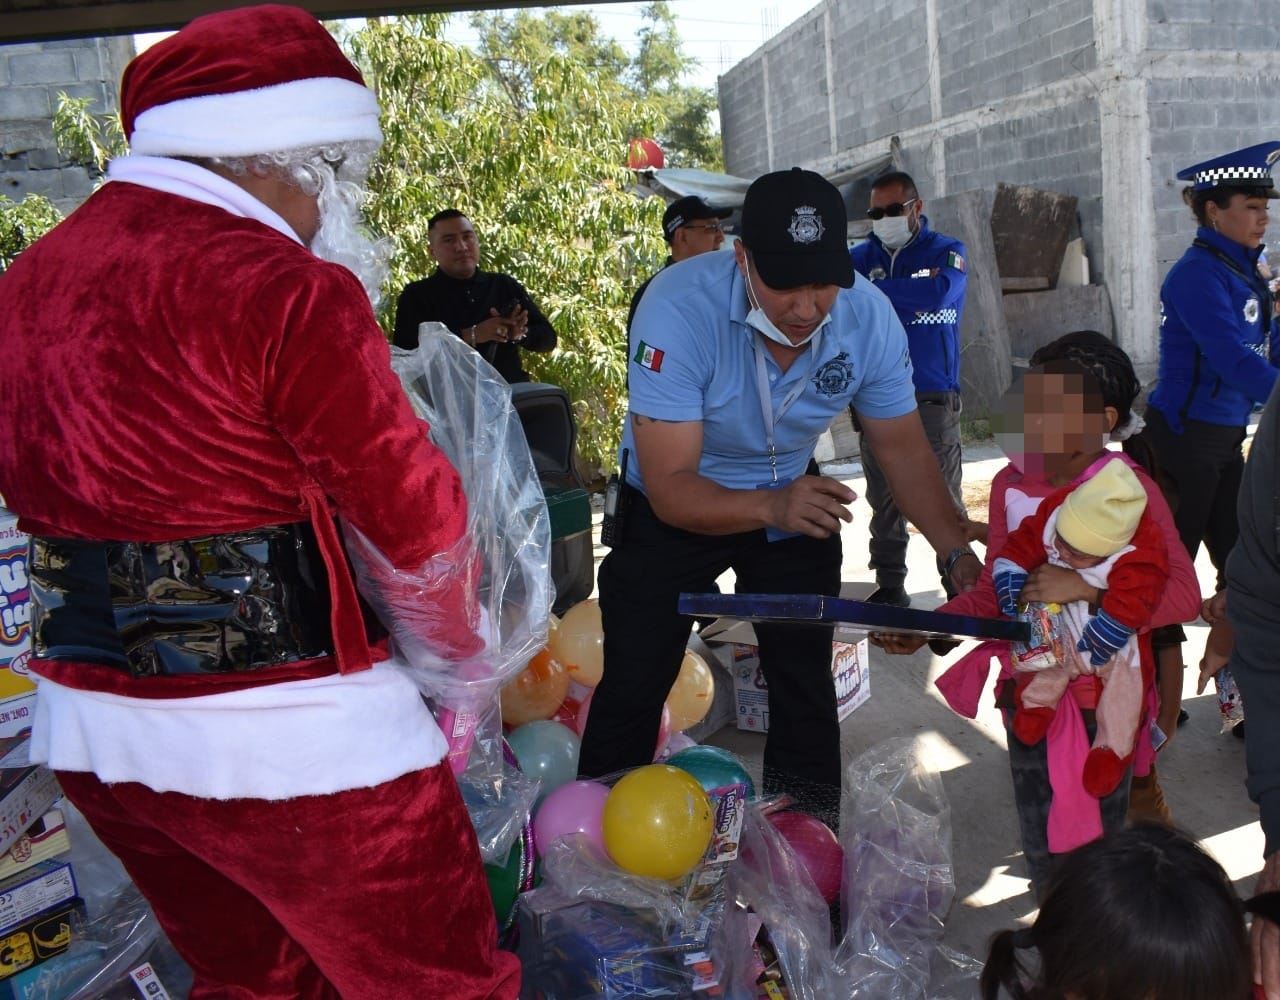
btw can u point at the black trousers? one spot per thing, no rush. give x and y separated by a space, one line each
645 637
1206 463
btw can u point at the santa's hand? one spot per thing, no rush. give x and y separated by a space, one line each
1102 637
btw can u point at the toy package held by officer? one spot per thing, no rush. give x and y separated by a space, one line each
1049 637
469 618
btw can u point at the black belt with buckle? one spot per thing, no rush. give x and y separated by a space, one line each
246 600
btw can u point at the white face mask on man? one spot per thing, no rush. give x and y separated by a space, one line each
760 322
894 232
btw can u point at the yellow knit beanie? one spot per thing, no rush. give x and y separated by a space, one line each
1100 515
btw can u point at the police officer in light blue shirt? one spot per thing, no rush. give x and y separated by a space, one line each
738 363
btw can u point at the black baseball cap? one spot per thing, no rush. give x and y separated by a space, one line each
689 209
794 224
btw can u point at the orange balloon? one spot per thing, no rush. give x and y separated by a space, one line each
579 643
691 695
536 692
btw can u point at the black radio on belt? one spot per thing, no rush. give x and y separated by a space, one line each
616 496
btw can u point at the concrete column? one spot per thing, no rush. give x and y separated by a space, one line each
937 146
1128 197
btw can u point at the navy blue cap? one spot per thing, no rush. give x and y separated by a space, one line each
794 223
1248 168
682 211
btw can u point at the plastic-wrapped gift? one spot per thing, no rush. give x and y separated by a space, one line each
1230 703
1047 645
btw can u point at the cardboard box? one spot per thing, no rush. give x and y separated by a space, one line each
17 690
39 888
26 794
850 666
38 939
47 838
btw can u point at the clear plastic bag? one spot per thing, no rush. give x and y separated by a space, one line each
470 618
898 880
1049 640
497 794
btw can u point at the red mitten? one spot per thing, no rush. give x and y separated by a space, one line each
1103 771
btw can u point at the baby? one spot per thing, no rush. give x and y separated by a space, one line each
1101 529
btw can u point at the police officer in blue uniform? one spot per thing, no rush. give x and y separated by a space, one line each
923 274
739 362
1216 354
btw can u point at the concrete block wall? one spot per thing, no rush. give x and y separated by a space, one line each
881 70
797 93
1101 99
32 75
990 50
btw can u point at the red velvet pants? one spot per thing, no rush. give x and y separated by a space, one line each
370 893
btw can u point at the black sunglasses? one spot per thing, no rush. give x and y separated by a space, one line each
893 211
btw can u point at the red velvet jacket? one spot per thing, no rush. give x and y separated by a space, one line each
170 370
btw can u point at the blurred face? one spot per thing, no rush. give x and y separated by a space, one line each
1244 220
699 236
1072 556
453 245
795 311
1048 426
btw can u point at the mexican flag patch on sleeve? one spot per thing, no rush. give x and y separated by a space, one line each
649 357
956 261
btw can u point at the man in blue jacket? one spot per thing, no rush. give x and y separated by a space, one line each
923 274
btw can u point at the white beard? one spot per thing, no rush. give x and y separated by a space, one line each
343 239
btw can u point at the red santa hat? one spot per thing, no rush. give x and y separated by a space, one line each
243 82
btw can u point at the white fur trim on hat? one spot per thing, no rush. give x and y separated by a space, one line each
294 115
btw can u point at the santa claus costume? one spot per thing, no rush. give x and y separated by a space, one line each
196 402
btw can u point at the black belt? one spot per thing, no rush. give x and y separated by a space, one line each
245 600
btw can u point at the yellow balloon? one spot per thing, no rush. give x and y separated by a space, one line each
690 697
657 822
579 643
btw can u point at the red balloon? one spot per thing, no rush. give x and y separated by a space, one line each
816 847
645 154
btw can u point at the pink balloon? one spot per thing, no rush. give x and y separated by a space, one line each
816 847
573 808
664 732
580 716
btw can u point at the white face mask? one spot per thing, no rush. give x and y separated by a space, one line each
757 320
894 233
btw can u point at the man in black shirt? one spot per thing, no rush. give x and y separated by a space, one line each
490 311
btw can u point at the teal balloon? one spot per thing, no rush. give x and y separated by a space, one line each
714 767
547 751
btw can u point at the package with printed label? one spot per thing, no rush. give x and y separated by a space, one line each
17 690
850 665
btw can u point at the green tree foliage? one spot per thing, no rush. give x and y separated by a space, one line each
528 138
85 139
22 223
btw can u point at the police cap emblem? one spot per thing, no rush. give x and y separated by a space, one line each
806 225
